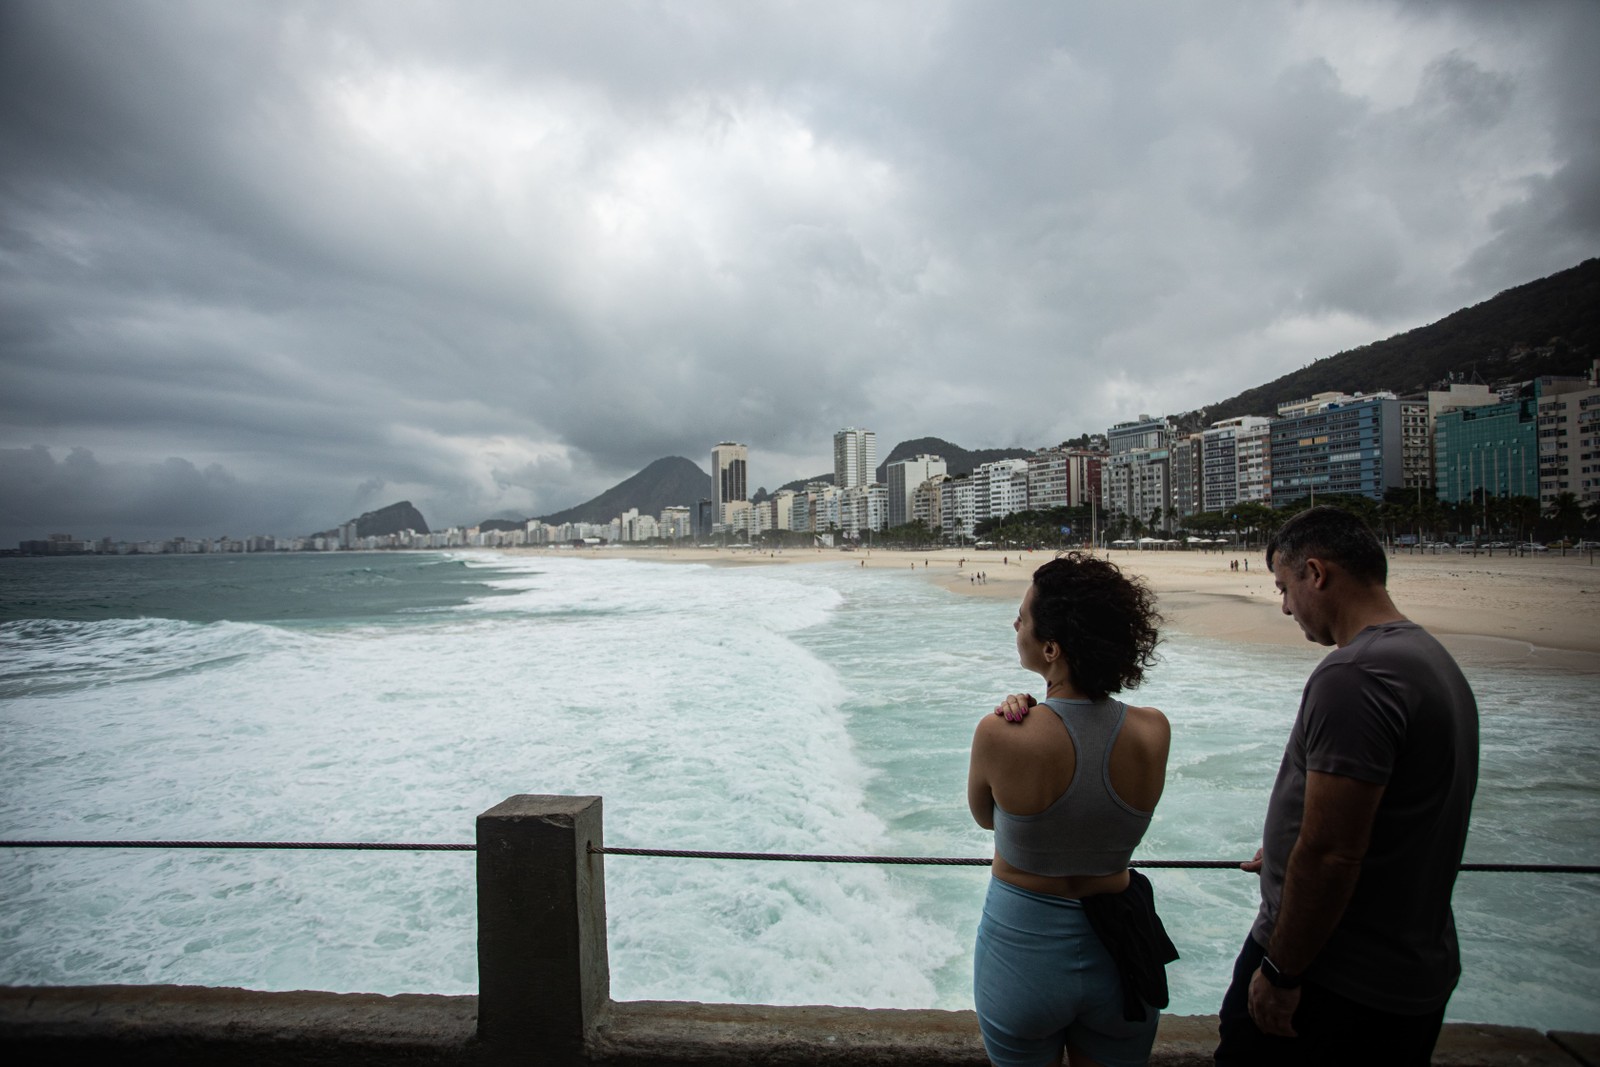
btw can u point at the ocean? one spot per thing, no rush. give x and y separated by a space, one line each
822 709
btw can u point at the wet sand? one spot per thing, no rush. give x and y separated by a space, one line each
1542 609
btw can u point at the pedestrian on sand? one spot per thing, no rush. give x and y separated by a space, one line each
1353 954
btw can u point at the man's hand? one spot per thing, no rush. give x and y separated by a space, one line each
1252 866
1272 1008
1015 707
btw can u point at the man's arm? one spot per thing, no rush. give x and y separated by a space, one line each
1323 868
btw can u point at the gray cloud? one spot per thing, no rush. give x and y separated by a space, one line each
494 257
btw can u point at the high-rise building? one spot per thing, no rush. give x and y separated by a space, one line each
728 477
1568 407
1138 483
1186 456
1143 432
1489 447
903 478
1235 462
1333 443
855 457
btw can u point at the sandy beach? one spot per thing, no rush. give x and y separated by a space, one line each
1542 609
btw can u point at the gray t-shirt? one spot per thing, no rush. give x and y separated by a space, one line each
1391 707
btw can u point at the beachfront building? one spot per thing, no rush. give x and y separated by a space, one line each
1138 483
1336 443
999 488
1187 488
1416 444
1568 407
729 474
857 513
677 522
827 507
1235 462
783 509
1492 448
855 457
927 503
1144 432
1063 478
958 515
904 475
800 512
1047 479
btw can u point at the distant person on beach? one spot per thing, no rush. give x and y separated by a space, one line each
1353 953
1070 955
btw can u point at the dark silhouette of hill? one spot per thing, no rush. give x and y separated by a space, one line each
1549 326
391 520
957 460
664 483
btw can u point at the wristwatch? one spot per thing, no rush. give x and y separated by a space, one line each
1277 978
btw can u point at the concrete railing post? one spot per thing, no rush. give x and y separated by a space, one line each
543 979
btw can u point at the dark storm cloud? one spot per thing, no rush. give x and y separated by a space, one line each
494 257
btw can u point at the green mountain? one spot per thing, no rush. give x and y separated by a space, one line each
664 483
391 520
1550 326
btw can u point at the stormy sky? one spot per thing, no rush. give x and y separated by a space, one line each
264 266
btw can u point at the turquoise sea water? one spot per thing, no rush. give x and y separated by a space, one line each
805 709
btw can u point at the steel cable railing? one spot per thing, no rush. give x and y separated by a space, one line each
781 857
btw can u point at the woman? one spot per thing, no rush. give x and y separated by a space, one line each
1043 980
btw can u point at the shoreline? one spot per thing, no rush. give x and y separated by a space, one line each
1534 610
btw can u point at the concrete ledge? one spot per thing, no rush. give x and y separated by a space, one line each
199 1024
188 1024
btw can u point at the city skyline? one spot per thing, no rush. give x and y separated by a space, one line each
264 266
1146 473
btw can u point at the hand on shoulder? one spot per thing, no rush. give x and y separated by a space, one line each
1014 708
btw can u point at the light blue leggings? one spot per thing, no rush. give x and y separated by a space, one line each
1042 980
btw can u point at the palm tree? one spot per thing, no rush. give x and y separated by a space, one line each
1565 511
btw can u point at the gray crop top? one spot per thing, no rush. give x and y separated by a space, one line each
1089 830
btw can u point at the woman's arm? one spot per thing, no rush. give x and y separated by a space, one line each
980 797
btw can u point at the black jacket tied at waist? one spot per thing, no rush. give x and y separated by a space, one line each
1131 931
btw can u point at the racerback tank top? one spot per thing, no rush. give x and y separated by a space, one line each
1088 830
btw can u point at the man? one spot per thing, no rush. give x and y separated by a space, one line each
1353 953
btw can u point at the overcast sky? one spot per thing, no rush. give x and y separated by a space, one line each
264 266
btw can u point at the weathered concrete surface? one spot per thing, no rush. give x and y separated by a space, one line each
1585 1048
193 1025
198 1024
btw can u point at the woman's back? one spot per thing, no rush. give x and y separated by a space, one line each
1032 765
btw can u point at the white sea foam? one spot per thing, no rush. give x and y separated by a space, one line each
808 709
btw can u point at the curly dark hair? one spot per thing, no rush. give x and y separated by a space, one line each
1105 622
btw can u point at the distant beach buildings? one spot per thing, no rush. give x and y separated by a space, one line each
1538 440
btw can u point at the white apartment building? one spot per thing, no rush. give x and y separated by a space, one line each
998 490
1144 432
1235 462
958 515
677 522
863 508
903 478
855 457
